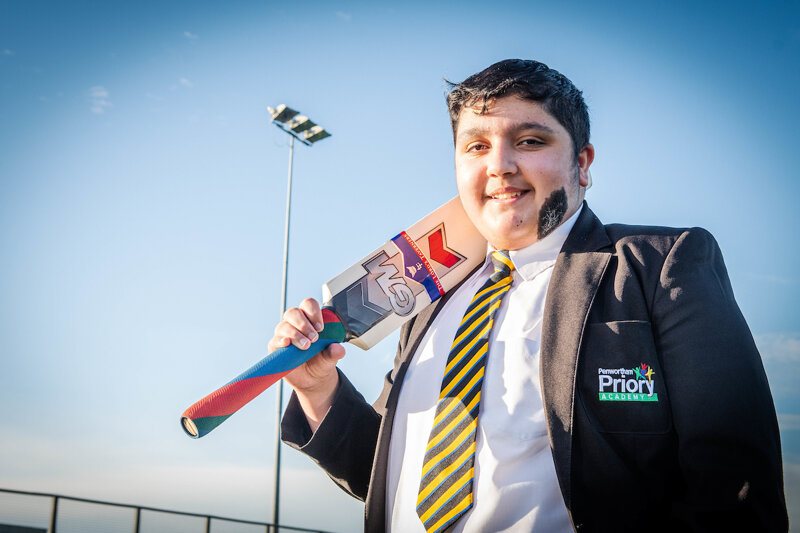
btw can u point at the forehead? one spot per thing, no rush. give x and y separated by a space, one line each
507 113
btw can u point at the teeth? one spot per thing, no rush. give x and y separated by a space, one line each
506 195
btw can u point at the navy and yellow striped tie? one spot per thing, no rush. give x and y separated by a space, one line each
445 490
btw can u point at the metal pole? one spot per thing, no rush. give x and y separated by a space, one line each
279 393
54 515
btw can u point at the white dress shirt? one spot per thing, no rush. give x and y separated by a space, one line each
515 486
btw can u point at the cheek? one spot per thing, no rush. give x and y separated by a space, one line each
470 186
549 169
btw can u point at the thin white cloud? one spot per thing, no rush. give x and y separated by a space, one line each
788 422
347 17
7 52
772 279
186 83
191 36
98 91
779 347
99 99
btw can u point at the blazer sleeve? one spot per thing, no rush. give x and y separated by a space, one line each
723 415
344 443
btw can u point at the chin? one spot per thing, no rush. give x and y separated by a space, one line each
511 240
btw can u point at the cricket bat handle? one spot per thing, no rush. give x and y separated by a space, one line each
208 413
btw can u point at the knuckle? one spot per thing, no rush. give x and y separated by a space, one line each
296 318
294 335
287 331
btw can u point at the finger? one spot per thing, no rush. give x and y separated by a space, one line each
298 319
278 341
312 309
295 336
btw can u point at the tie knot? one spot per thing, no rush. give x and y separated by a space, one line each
502 262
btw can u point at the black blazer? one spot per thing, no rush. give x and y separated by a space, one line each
702 453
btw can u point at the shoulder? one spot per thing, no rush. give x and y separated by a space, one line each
659 240
659 254
590 234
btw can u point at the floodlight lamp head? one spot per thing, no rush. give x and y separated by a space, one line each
282 113
300 124
315 134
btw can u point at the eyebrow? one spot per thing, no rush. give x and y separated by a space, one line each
479 131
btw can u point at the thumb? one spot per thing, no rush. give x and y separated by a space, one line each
334 352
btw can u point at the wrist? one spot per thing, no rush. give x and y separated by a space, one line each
317 400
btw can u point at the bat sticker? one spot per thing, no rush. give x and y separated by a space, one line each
414 261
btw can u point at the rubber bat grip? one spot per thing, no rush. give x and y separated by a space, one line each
208 413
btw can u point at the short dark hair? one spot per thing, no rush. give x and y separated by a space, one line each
530 80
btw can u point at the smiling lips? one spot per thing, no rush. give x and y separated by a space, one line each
506 194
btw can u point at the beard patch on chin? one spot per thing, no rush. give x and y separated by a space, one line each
552 212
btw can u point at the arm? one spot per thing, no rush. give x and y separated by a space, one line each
723 415
344 442
326 419
337 429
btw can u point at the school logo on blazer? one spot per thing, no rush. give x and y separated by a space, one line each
627 384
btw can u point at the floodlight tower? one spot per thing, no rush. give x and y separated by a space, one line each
293 123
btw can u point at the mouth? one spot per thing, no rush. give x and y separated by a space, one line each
506 194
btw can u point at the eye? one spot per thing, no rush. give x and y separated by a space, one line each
531 142
476 147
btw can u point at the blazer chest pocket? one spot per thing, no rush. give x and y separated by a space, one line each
621 383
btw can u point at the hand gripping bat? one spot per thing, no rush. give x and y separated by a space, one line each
363 304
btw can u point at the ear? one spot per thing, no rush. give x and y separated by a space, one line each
585 158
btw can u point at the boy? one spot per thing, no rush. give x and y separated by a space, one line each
586 377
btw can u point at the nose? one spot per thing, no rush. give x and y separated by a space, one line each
501 161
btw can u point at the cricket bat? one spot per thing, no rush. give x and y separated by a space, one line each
363 304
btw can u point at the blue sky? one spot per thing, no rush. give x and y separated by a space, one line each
142 195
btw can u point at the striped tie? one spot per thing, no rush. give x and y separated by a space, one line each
445 491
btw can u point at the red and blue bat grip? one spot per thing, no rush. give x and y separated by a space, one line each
205 415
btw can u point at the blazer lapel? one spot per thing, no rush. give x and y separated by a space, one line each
576 277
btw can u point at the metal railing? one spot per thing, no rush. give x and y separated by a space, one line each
209 519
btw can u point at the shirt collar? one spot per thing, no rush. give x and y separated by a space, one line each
539 256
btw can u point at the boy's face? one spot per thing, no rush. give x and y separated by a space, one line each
516 171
